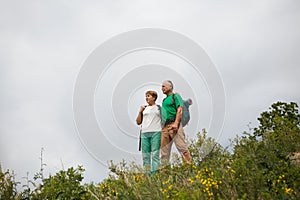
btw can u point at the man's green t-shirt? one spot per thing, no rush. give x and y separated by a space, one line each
169 108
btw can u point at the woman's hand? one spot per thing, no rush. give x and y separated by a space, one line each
142 108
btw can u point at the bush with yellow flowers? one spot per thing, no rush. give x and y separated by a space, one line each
256 165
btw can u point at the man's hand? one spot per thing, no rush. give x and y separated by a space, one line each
175 126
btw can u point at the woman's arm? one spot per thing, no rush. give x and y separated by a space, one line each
139 118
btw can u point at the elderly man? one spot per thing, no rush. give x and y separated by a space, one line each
172 128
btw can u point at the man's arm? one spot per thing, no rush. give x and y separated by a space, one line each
175 125
178 115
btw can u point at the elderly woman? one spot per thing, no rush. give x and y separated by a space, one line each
149 118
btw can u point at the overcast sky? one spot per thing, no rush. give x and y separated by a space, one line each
255 46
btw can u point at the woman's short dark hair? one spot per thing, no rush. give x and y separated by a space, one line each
152 93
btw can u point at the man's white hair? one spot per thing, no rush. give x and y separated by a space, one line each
170 83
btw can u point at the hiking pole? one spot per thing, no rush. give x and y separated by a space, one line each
140 139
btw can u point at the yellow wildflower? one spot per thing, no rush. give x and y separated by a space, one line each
166 182
191 180
288 190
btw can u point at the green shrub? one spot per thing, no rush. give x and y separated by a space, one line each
261 165
8 186
64 185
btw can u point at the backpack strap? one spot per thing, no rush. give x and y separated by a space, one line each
173 98
173 101
159 108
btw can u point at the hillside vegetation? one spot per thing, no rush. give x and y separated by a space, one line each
263 163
